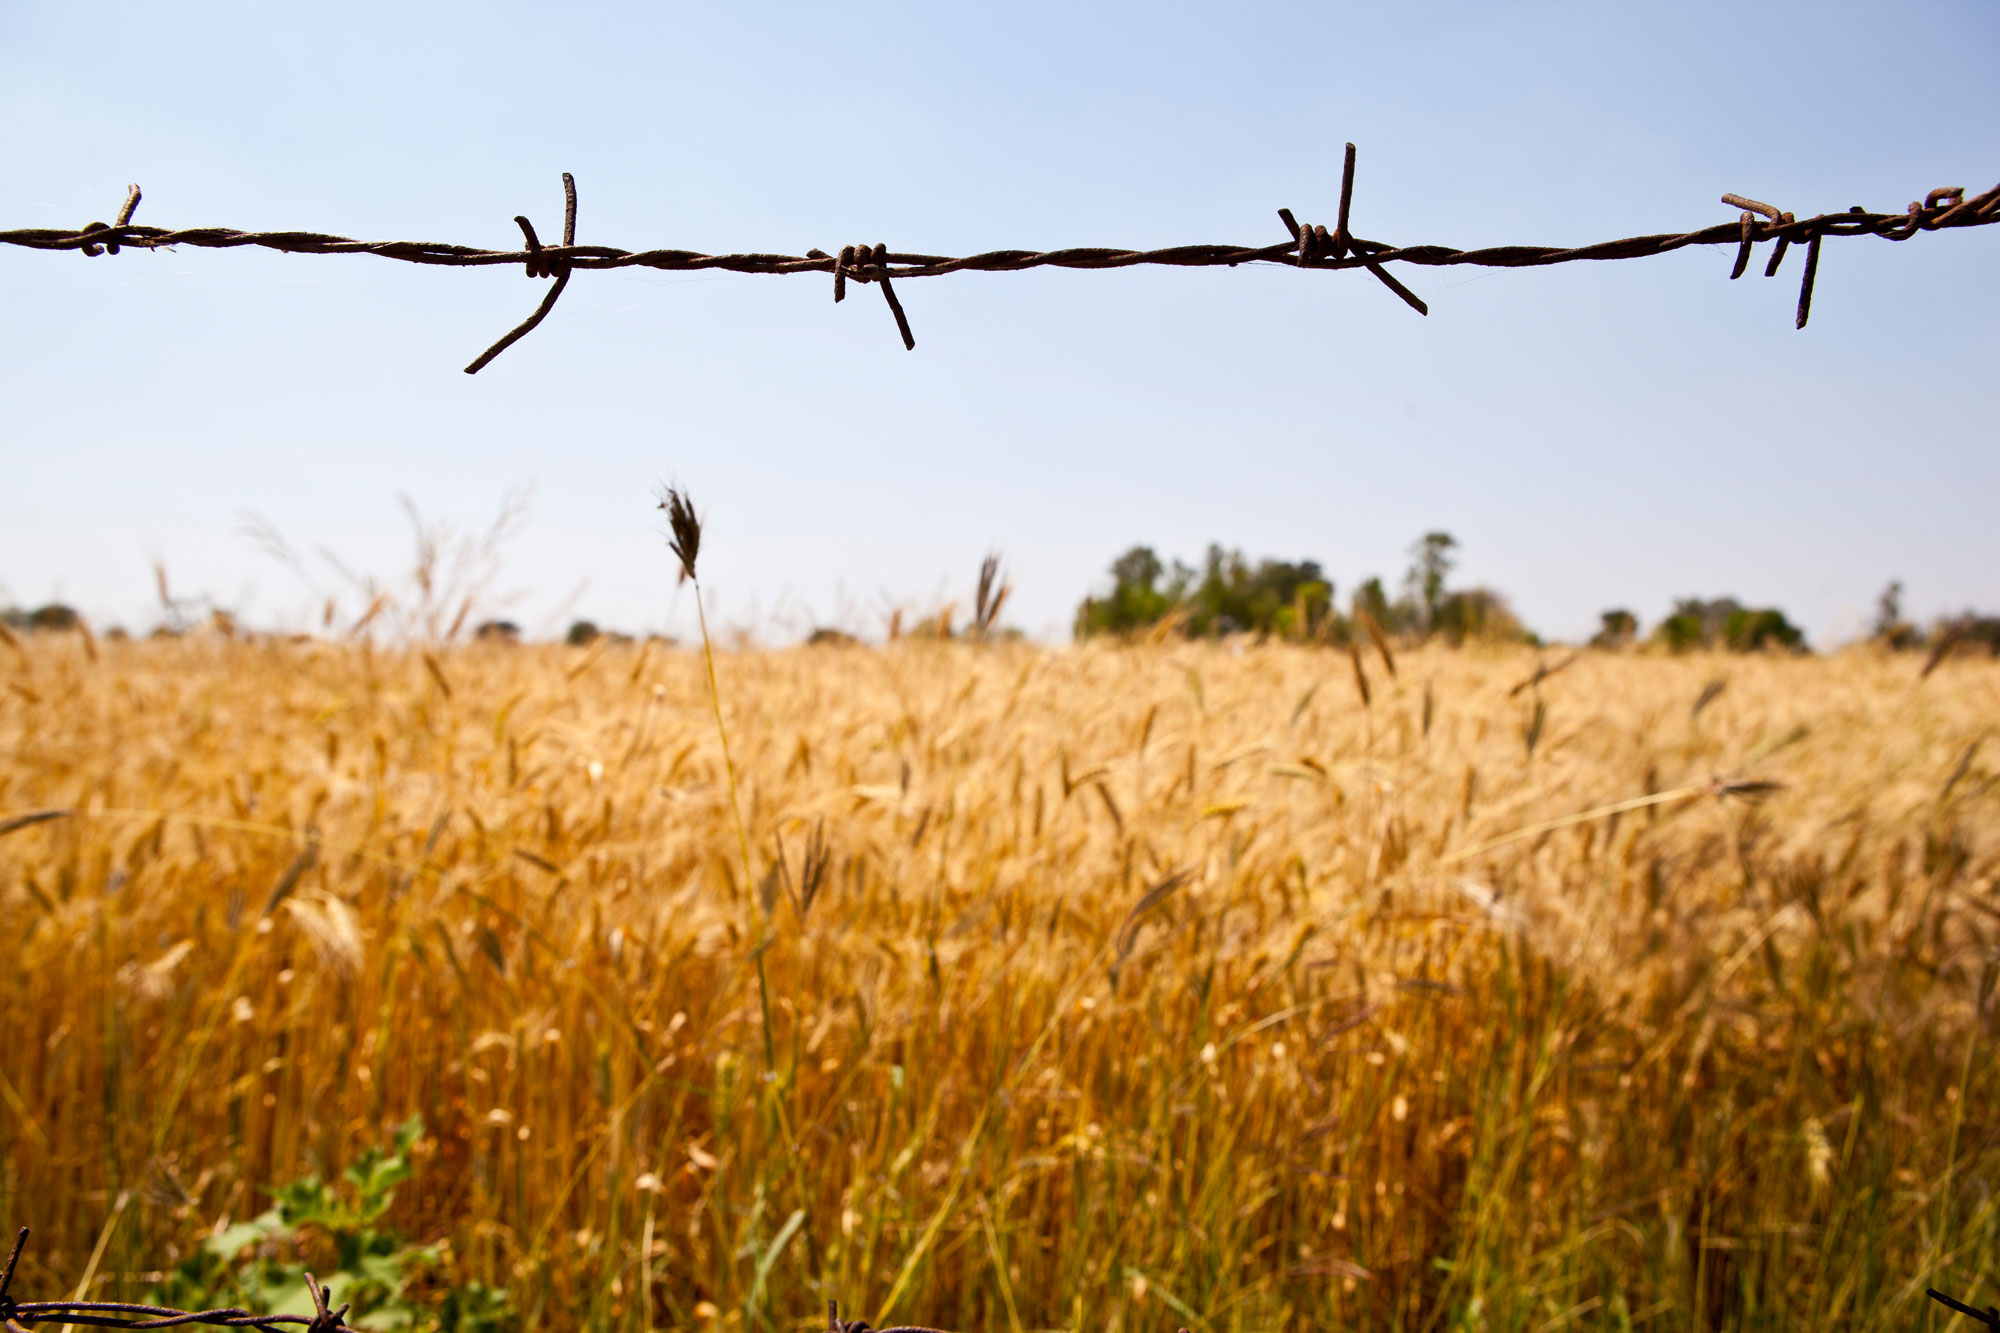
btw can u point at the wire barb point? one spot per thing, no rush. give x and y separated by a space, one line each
7 1277
539 266
870 263
1806 284
1743 249
1990 1316
1341 239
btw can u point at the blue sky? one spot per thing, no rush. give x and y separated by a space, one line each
1595 435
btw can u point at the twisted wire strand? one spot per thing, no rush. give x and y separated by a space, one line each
1982 210
324 1319
1307 247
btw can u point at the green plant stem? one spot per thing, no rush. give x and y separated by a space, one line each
736 809
728 764
1951 1152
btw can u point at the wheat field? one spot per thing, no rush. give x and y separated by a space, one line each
1100 987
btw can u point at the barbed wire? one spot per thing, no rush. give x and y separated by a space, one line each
122 1314
125 1314
1990 1316
1308 247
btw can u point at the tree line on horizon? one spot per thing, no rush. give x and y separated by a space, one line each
1295 601
1292 601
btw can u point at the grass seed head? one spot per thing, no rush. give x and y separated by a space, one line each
686 539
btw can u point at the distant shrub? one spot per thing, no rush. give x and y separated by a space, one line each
1747 631
497 631
1616 629
1968 630
1724 622
1891 630
581 632
1477 614
1680 632
1900 637
54 617
1981 630
1371 601
1137 599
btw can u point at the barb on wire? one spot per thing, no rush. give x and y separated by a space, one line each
539 266
1307 247
835 1324
866 263
124 1314
117 229
1990 1316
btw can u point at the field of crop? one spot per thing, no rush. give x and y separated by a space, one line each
1089 988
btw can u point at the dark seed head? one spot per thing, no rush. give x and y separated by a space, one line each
686 539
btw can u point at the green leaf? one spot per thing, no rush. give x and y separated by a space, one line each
387 1318
408 1133
375 1174
476 1308
307 1200
232 1241
279 1289
384 1270
770 1256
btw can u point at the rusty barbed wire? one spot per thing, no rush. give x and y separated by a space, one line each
1990 1316
324 1319
124 1314
1311 247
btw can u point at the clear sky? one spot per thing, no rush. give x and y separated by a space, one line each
1595 435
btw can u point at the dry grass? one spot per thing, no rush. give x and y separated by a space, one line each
1139 988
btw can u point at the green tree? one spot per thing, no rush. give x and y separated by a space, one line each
1724 622
1137 598
1477 613
1750 629
1272 597
1228 595
1431 562
1616 629
1891 629
1370 599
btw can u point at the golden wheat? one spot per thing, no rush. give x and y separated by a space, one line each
1154 985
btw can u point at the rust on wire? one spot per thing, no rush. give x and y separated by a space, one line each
1305 247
